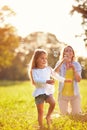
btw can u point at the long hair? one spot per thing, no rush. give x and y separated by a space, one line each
33 62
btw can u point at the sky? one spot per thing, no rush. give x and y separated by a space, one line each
47 16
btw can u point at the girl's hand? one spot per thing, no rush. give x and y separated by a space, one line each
51 81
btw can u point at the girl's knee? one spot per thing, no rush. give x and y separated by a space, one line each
53 104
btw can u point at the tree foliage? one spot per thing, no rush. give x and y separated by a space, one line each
5 12
81 8
9 39
8 42
48 41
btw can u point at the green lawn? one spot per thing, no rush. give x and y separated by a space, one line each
18 110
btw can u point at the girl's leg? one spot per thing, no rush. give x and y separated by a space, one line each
51 102
40 114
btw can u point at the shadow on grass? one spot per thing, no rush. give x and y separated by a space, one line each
80 117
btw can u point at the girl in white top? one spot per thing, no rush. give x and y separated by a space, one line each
40 74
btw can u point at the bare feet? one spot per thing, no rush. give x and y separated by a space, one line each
49 120
40 128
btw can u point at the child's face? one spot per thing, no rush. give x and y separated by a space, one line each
42 61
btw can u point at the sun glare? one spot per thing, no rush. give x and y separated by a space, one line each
47 16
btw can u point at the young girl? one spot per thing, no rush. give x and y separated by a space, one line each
40 74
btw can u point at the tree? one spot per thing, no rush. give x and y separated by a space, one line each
9 39
83 62
48 41
82 9
8 42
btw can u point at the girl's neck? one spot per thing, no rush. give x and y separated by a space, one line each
40 67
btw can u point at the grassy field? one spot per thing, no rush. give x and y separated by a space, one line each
18 110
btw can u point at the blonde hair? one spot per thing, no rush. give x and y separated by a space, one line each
33 61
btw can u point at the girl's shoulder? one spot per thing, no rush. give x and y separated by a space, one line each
43 69
49 69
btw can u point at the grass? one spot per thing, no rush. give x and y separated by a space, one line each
18 110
